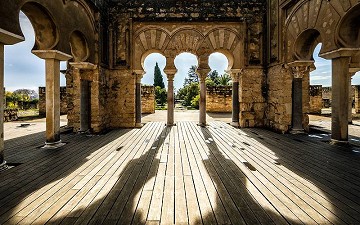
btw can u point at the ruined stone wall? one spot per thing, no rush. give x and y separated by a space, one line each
219 99
357 98
42 101
252 101
147 99
98 115
316 100
279 101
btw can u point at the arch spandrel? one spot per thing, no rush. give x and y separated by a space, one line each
60 19
321 15
173 39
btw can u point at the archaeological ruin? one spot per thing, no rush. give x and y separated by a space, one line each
268 44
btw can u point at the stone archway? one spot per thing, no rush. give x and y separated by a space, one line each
171 39
334 22
58 25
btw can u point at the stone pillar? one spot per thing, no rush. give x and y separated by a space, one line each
83 92
340 93
340 99
235 76
170 74
2 161
139 75
298 69
202 73
6 38
52 68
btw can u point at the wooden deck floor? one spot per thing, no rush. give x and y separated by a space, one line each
181 175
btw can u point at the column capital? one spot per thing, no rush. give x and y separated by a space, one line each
170 74
339 53
8 38
235 74
300 68
52 54
203 73
139 75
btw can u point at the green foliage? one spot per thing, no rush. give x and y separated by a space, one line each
158 78
225 79
160 95
195 101
188 93
209 82
192 76
214 77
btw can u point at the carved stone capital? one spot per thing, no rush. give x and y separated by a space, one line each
203 73
235 74
300 68
170 74
139 75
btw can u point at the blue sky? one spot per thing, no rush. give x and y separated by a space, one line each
25 70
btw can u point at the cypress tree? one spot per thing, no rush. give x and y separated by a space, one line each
158 78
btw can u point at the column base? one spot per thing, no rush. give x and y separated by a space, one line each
170 124
139 125
202 124
53 145
339 143
235 124
297 131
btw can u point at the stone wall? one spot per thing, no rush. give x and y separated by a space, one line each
316 99
148 99
42 101
279 107
252 101
120 98
219 99
98 115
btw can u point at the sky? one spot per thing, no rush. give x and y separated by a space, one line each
25 70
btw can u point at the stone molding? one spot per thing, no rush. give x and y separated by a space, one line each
235 74
300 68
52 54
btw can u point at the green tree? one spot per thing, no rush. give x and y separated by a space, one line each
158 78
224 79
160 95
192 90
192 76
214 76
195 102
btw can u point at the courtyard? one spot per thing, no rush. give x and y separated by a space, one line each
185 174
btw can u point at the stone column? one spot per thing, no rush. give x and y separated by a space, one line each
340 93
170 74
298 69
2 161
139 75
202 73
235 76
6 38
52 68
85 95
